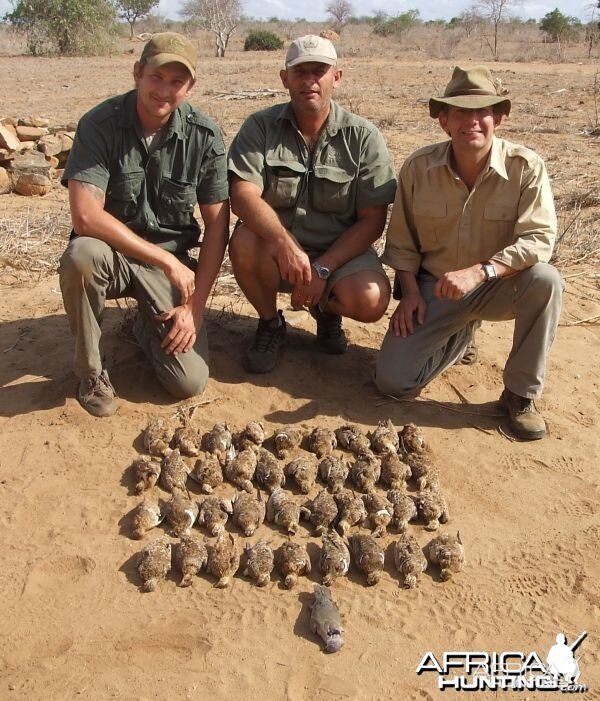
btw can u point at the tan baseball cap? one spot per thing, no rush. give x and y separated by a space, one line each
310 48
470 88
170 47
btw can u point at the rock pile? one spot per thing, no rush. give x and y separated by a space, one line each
32 154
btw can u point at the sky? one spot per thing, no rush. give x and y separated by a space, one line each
441 9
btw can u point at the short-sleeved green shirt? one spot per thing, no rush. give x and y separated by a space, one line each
154 191
316 195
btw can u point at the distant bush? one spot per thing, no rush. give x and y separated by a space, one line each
397 26
262 40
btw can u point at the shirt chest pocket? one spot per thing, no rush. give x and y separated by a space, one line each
430 222
176 202
284 179
498 228
331 189
123 195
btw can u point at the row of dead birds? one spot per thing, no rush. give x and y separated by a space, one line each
384 455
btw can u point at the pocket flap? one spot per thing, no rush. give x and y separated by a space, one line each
499 212
279 166
428 208
125 187
333 173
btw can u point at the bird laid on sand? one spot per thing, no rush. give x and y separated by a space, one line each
394 471
424 472
181 513
248 512
284 511
384 439
368 557
412 439
158 435
292 562
351 510
448 552
432 508
321 442
223 559
335 558
260 562
240 470
144 517
253 434
405 509
146 472
303 470
269 471
334 472
325 619
213 514
189 556
219 442
350 437
323 511
380 511
174 471
187 439
409 559
207 472
365 471
154 562
286 440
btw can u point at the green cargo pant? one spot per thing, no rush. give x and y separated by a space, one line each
90 273
532 297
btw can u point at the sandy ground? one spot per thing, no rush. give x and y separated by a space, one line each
75 623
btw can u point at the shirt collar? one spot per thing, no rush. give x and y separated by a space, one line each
336 120
128 118
495 160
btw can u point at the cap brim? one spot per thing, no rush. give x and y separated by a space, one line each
311 59
162 59
470 102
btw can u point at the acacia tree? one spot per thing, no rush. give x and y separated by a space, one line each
340 12
65 27
468 21
132 10
221 17
495 11
558 26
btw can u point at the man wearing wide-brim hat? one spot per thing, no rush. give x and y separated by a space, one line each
472 230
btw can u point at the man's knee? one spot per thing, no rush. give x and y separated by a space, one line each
243 247
390 379
364 298
82 257
183 384
544 281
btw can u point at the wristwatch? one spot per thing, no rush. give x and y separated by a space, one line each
489 270
321 270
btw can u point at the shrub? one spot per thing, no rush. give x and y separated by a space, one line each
262 40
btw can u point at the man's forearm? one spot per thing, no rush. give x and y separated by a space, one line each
212 251
408 283
258 216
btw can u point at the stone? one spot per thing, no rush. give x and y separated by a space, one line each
53 161
28 145
9 121
6 154
34 121
5 181
51 145
9 138
30 162
30 184
31 133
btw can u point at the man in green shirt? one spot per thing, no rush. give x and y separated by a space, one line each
471 233
139 164
311 184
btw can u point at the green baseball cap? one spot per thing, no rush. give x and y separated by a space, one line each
310 48
470 88
170 47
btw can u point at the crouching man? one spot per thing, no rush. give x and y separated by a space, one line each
471 233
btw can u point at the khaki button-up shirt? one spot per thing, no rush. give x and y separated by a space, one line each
437 224
315 194
154 191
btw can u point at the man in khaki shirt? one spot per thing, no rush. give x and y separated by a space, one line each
471 233
311 184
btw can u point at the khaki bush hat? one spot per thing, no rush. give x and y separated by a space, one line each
470 88
170 47
310 48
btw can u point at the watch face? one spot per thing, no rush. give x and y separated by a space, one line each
321 271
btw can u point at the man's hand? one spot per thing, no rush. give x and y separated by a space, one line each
184 328
308 295
294 264
457 283
181 277
402 321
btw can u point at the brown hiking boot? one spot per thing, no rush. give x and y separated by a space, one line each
330 334
268 345
97 395
524 419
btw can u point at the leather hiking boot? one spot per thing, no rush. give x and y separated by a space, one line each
97 395
268 345
330 334
524 419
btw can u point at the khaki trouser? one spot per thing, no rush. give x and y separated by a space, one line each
90 273
532 297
